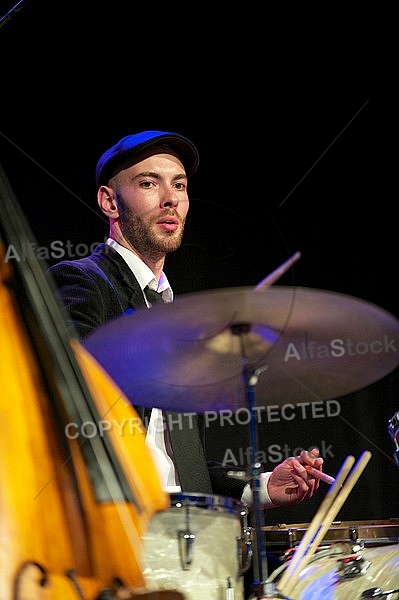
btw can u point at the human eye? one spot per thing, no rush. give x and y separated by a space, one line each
146 183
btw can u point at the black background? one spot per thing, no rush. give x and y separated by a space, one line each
279 172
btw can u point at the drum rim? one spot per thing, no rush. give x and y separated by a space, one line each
394 521
372 532
209 501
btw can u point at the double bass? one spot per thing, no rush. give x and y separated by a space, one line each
78 486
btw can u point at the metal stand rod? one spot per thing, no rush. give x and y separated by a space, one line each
262 589
260 564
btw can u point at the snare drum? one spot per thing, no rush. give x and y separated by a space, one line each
281 538
200 546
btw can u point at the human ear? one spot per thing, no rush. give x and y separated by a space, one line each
107 201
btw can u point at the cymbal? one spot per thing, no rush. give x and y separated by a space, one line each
207 350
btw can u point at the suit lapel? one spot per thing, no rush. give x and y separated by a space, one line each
183 429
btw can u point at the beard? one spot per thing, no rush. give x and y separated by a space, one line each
143 236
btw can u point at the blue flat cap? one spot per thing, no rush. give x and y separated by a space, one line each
132 146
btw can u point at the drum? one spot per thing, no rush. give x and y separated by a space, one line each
280 539
339 573
200 546
354 561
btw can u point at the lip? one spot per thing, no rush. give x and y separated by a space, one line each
168 223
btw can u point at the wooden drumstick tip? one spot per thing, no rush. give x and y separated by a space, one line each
319 474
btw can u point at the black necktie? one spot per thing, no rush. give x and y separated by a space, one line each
188 452
184 437
152 296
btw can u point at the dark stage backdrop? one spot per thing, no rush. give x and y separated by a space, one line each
276 175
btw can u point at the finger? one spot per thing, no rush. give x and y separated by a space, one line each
306 488
309 479
312 458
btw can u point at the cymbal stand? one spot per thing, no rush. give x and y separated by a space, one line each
263 589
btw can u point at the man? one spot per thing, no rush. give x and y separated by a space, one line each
142 189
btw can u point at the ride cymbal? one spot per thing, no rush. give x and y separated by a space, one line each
295 345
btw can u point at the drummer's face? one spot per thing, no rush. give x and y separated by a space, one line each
152 200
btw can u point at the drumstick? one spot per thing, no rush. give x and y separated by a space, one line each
317 520
339 501
270 279
319 474
333 510
331 514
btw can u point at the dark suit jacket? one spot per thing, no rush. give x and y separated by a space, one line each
95 289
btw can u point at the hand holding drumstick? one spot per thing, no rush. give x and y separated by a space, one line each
296 479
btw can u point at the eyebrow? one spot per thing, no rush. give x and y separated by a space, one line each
156 175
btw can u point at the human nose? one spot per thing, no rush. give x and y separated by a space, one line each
170 200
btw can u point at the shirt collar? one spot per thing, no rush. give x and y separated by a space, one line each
143 273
